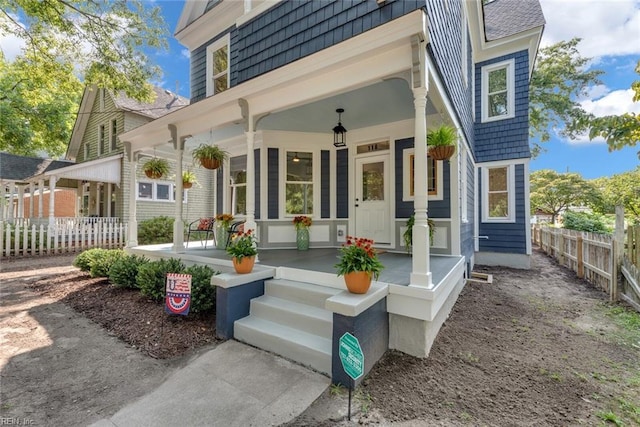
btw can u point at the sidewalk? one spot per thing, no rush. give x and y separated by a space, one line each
230 385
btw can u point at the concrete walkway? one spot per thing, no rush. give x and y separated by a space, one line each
230 385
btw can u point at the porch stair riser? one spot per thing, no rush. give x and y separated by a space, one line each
290 320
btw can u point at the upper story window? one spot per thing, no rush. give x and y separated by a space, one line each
114 134
498 91
101 140
498 194
238 172
299 183
218 66
434 178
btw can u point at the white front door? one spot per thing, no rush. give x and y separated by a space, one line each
372 204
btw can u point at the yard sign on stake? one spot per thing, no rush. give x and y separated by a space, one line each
352 359
178 294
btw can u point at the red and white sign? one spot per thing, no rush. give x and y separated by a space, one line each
178 295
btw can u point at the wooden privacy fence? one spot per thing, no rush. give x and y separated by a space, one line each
590 255
16 240
601 259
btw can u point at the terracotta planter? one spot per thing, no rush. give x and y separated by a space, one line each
358 282
245 265
442 152
153 175
187 185
210 163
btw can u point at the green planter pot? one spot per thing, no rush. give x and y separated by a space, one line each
302 239
221 237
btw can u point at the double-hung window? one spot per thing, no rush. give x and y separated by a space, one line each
498 91
101 140
218 66
238 177
114 134
498 194
434 178
158 191
299 183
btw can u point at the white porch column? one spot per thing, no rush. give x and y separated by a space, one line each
421 272
52 201
40 198
178 223
132 238
251 179
10 214
32 199
20 213
3 208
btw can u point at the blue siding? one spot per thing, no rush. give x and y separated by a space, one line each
467 229
437 208
273 179
509 138
342 183
257 181
219 187
506 237
292 30
445 48
325 187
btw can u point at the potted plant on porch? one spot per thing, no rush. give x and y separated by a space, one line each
442 142
302 224
223 222
359 264
209 156
243 250
156 168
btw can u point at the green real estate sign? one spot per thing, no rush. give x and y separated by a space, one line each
351 356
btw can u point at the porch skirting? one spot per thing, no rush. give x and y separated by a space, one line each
522 261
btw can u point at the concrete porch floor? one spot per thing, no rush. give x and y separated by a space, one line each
397 265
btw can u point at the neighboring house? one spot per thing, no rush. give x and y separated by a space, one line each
267 79
18 187
94 167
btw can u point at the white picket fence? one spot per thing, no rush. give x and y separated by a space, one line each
69 237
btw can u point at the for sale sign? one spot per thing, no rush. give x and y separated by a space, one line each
178 296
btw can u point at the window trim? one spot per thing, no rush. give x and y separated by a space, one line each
113 134
218 44
315 184
511 194
509 65
464 184
102 134
233 187
406 178
154 191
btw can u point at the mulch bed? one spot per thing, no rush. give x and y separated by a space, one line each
130 316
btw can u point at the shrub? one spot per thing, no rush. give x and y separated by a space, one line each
123 272
203 294
155 230
103 260
85 259
152 276
583 221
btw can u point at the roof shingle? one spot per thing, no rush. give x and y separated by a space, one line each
504 18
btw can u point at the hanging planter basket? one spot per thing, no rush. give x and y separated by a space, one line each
187 185
152 174
442 152
210 163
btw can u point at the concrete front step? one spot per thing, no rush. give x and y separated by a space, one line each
304 317
304 293
290 320
305 348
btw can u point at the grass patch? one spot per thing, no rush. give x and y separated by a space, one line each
610 417
628 320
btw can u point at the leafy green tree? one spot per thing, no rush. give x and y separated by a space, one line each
553 192
619 131
67 41
38 104
621 189
559 79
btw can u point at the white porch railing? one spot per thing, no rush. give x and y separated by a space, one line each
66 236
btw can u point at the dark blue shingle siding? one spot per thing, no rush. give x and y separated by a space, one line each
325 184
273 209
342 183
257 181
509 138
505 237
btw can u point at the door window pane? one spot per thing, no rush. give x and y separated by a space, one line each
373 181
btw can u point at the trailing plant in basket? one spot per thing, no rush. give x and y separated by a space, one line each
358 254
243 244
442 136
156 167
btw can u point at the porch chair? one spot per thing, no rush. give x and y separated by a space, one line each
236 227
200 226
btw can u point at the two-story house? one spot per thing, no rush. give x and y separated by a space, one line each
271 81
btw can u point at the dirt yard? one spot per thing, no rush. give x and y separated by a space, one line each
536 347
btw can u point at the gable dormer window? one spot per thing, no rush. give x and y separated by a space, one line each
218 66
498 91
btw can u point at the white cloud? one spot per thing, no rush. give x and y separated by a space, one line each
607 28
613 103
185 53
10 44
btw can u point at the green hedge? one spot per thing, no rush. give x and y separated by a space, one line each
155 230
583 221
124 271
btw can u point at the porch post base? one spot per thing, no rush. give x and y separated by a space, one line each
421 279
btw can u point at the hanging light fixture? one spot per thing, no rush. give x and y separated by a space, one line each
339 132
295 159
